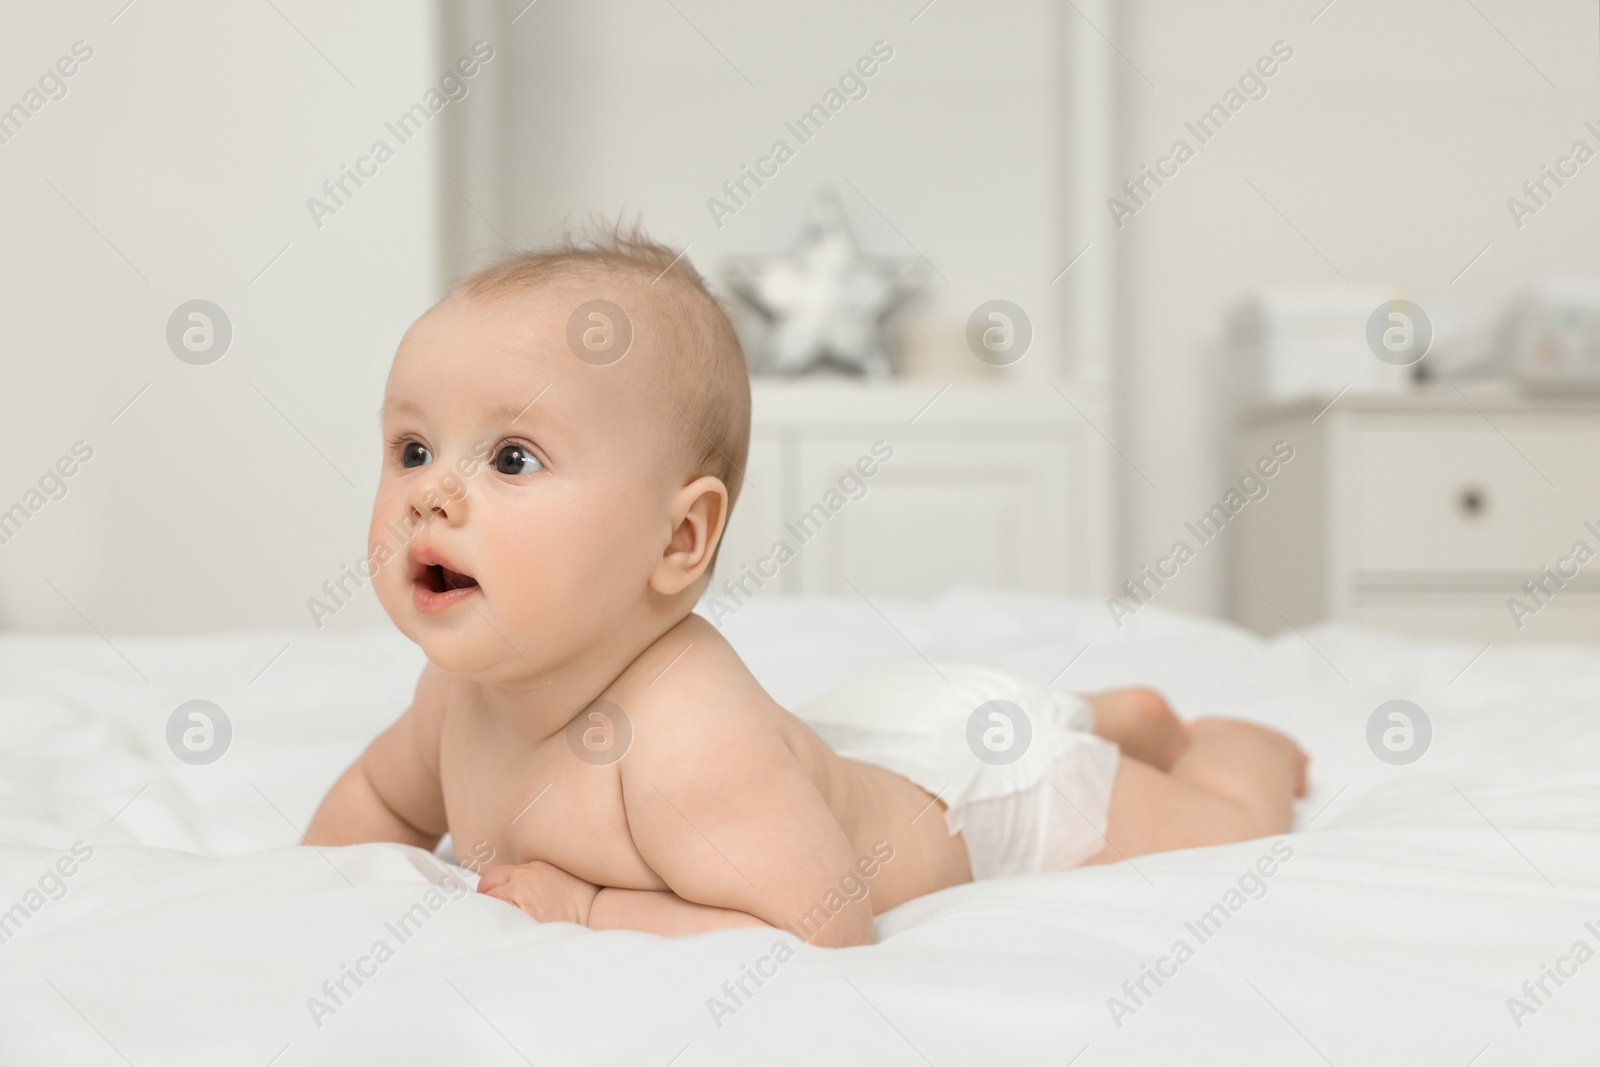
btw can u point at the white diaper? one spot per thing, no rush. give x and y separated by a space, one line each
1026 782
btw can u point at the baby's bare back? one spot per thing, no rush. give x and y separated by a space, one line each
566 798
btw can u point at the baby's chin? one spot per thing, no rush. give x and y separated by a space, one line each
449 653
452 649
457 646
469 647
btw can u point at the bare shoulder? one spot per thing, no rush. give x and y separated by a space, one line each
691 684
702 725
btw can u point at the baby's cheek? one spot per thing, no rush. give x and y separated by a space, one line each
386 546
389 580
386 557
525 561
558 585
563 558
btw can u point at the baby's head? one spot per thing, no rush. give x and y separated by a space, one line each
566 431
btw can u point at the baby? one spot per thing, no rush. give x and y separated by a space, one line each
565 438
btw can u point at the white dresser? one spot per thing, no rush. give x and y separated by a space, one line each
994 485
1433 512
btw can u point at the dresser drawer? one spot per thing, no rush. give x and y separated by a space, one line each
1451 492
983 511
905 489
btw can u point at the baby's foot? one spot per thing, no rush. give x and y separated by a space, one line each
1142 724
1299 761
1280 744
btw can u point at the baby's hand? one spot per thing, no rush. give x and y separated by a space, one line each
546 892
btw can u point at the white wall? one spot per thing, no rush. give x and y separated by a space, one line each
1391 141
190 143
623 107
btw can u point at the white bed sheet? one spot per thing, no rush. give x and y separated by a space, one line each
1419 900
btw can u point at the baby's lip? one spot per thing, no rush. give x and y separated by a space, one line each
422 559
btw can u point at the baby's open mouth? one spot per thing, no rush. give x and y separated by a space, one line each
439 579
436 587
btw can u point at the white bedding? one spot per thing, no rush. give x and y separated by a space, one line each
1418 902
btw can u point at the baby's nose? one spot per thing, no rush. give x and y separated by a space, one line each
444 497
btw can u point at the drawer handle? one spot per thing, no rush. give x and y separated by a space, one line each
1472 501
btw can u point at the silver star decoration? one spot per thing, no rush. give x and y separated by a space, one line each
825 302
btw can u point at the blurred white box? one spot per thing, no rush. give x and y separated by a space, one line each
1546 338
1294 343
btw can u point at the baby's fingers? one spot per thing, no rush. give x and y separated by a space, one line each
504 893
495 877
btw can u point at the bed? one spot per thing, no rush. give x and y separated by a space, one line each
1406 918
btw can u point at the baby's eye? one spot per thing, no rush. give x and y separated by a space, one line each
414 454
515 459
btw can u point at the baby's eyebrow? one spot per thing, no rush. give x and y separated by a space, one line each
501 412
511 413
507 413
396 405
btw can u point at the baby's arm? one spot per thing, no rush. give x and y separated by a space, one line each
660 911
722 810
552 894
391 792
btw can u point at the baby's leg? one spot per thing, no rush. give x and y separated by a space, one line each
1140 722
1234 782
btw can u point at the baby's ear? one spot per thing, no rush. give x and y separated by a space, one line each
699 513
